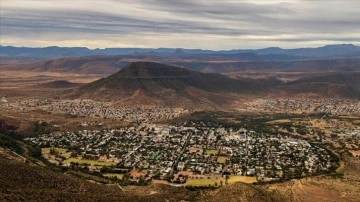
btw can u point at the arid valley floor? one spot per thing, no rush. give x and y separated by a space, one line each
146 133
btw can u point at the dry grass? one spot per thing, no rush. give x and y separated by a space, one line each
221 159
279 121
160 182
324 188
59 151
26 120
244 179
232 179
212 151
204 182
23 78
86 161
341 168
26 84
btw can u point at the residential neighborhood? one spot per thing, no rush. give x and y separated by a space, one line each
180 152
96 109
328 106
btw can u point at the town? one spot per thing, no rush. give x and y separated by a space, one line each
327 106
182 153
96 109
178 153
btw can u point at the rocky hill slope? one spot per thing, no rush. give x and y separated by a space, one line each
165 84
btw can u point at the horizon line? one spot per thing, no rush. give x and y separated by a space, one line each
181 48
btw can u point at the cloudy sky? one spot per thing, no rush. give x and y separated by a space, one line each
206 24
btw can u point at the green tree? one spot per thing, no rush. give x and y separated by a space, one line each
227 177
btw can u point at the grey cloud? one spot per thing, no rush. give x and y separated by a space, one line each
216 8
82 21
304 39
193 18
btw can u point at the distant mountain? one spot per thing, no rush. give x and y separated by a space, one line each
10 53
343 50
102 65
43 53
309 65
155 83
105 65
327 51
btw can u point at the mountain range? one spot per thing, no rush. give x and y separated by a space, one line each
105 65
193 78
10 53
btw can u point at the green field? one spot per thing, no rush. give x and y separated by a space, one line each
90 162
60 151
118 176
221 159
212 151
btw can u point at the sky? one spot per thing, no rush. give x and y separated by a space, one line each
205 24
